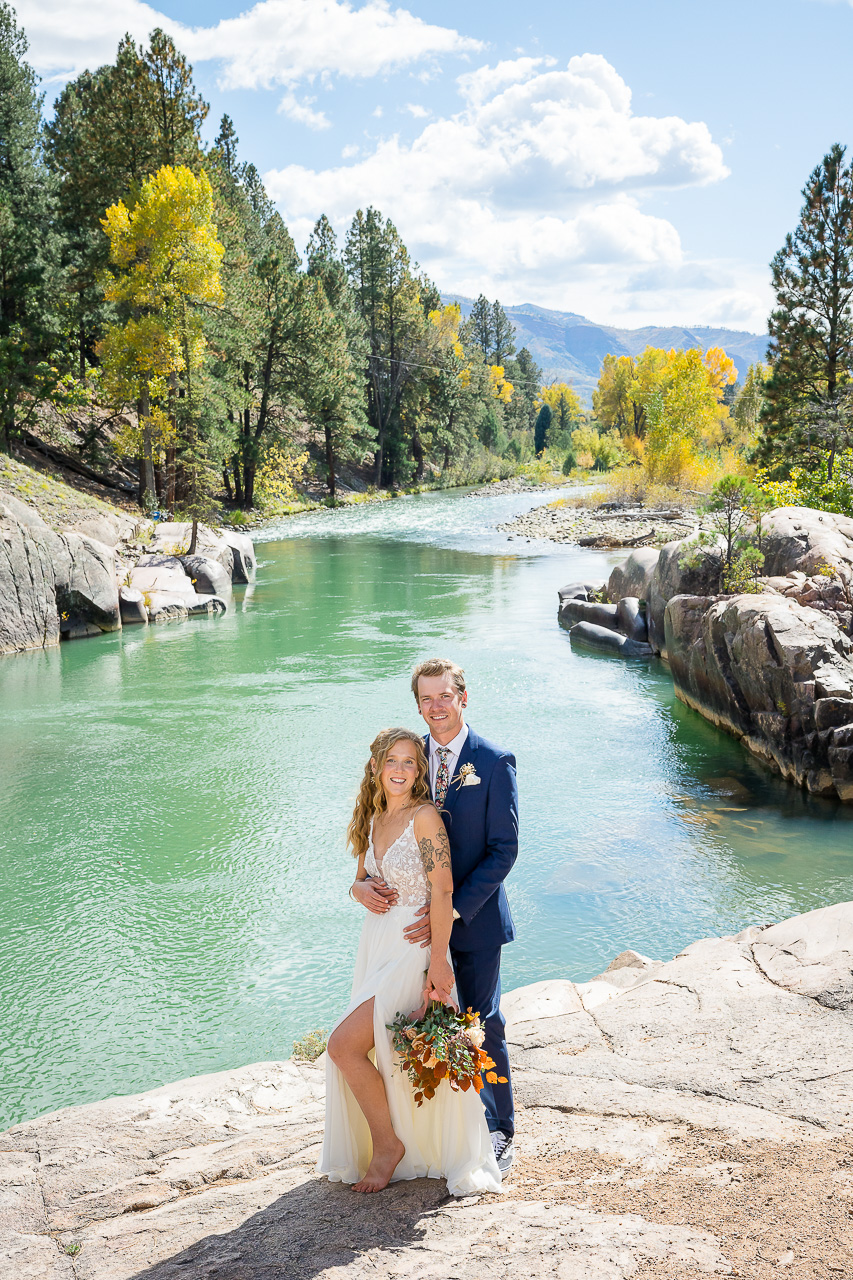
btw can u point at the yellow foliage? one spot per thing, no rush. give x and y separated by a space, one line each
275 484
167 255
447 321
128 441
500 388
554 394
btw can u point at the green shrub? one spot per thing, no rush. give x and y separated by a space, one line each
311 1046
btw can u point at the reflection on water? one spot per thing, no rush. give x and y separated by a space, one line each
173 878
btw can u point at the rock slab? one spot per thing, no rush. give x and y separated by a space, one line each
749 1038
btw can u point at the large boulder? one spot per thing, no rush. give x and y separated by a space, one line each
29 617
110 528
133 607
603 615
633 576
670 578
234 551
86 589
800 539
208 577
51 584
243 552
591 636
774 673
161 573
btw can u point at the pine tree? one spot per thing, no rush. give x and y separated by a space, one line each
111 129
503 335
339 395
30 321
389 299
480 326
811 326
540 429
526 377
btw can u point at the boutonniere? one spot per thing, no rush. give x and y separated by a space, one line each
466 777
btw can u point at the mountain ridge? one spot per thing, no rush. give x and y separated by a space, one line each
571 348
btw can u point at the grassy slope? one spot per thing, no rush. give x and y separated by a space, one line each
58 503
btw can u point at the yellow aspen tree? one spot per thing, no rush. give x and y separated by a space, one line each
166 261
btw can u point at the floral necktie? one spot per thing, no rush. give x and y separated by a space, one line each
442 778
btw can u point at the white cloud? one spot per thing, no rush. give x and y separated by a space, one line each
534 190
303 113
477 86
275 42
415 109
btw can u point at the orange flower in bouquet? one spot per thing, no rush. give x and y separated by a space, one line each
441 1044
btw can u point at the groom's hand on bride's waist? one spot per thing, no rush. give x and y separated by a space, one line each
376 895
420 930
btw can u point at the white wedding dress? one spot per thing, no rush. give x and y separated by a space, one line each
447 1137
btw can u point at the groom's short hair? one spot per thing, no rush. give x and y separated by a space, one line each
438 667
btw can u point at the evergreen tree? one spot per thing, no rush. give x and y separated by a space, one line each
491 431
503 335
113 128
526 377
388 297
30 322
339 401
480 326
811 326
540 429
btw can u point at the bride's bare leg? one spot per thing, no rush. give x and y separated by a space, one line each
348 1048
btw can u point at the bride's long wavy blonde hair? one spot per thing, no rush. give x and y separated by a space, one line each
371 797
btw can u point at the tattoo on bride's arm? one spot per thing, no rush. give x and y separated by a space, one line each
435 855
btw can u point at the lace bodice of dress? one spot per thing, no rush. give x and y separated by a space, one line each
402 868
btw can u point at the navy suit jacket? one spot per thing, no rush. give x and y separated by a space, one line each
482 827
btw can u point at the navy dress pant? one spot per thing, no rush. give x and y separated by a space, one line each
478 980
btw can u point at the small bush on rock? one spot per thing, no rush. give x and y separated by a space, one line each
311 1046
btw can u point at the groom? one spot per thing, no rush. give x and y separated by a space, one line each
473 784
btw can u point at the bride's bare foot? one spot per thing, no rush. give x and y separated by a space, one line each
381 1169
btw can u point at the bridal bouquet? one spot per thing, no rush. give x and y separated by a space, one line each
442 1044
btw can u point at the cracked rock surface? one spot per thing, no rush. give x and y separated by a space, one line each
776 674
676 1120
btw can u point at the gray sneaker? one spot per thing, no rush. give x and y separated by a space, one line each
503 1149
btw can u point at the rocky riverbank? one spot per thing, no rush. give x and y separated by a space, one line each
773 667
108 570
605 525
676 1121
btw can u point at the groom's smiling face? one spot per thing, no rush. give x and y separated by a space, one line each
442 706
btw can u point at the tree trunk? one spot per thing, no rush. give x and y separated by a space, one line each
149 491
330 463
418 453
193 539
249 468
238 479
171 456
226 480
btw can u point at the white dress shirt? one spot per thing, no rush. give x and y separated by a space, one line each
454 747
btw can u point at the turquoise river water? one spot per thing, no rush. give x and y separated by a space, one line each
173 878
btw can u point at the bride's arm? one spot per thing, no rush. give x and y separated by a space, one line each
435 852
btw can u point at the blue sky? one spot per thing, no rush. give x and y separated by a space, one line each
637 164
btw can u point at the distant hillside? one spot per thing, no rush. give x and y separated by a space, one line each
570 347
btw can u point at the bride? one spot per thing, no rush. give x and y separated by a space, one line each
375 1133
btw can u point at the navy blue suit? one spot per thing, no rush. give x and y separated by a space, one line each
482 827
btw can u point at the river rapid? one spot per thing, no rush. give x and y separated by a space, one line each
173 877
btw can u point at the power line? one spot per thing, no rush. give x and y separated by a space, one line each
415 364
